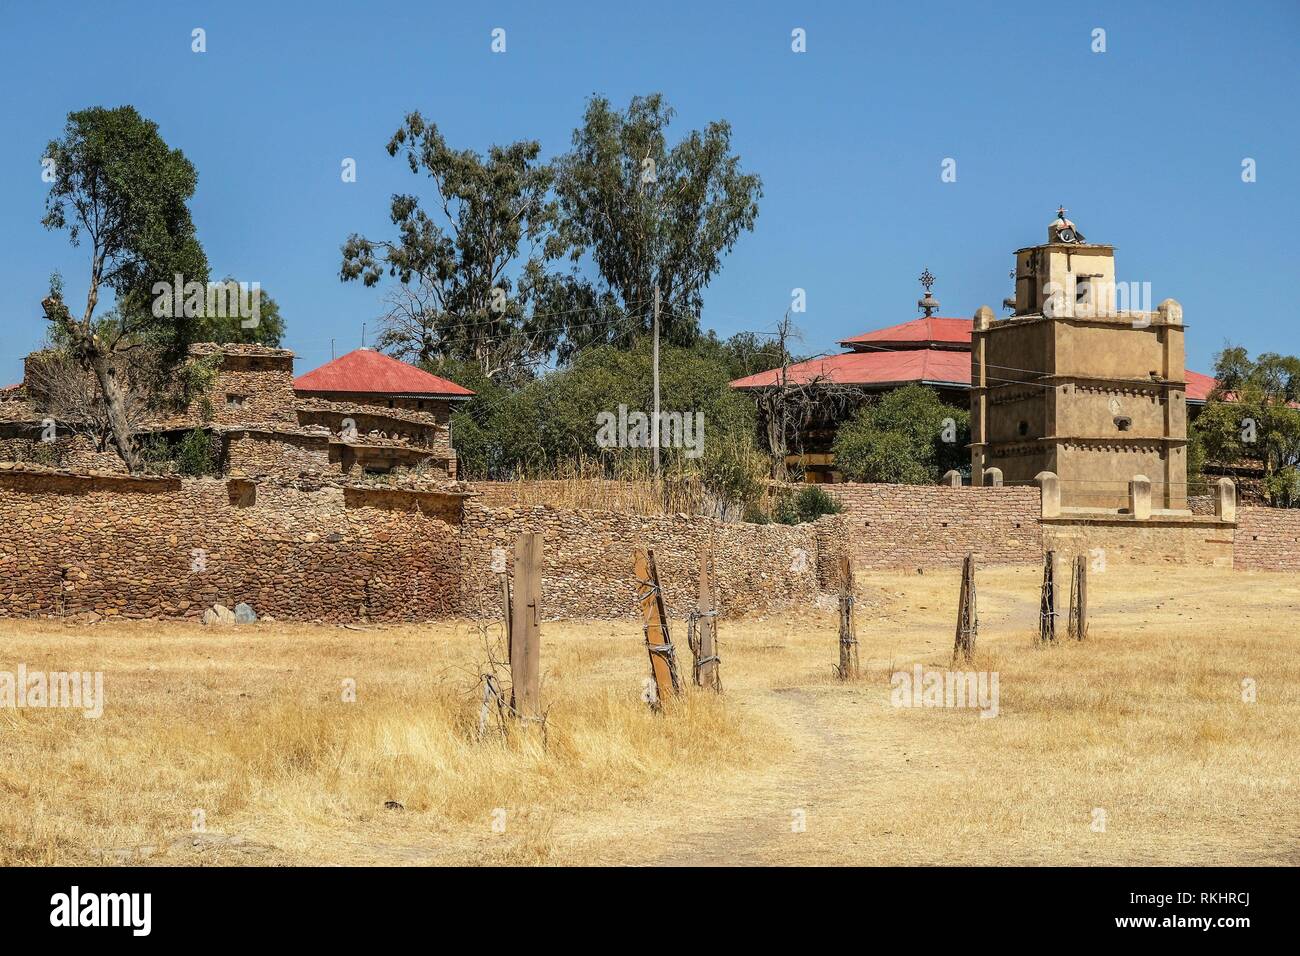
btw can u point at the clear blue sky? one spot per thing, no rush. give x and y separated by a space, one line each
1143 143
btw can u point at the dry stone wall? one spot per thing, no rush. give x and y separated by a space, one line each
277 453
138 547
588 560
253 388
317 549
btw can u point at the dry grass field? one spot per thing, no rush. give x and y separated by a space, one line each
1145 721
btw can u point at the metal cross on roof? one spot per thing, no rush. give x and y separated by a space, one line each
927 303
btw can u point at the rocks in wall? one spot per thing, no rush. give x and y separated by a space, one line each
588 560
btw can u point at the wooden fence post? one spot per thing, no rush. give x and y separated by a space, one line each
1047 601
658 642
1078 627
968 623
525 627
703 630
848 667
506 611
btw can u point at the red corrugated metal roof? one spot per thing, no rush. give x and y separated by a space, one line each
370 372
918 333
943 367
884 367
1199 386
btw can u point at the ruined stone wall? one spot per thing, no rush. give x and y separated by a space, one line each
434 412
67 450
929 526
127 547
253 388
269 453
588 560
392 425
1268 539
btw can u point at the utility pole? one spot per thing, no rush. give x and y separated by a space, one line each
654 439
332 355
363 335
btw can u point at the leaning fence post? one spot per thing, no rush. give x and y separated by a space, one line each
848 667
1078 627
703 628
968 624
1047 601
525 627
658 642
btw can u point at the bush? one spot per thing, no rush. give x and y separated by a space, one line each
906 437
812 503
195 454
809 504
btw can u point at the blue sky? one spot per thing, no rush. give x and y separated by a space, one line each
1143 143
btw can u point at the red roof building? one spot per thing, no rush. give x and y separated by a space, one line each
367 372
931 351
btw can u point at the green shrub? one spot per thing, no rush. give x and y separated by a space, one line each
811 503
808 504
195 454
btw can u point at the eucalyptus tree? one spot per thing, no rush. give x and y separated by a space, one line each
469 259
648 215
118 186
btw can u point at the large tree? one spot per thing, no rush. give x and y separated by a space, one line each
648 215
122 189
471 271
1253 417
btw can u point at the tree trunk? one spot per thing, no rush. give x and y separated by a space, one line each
115 402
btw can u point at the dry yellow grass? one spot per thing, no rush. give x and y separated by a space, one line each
1144 721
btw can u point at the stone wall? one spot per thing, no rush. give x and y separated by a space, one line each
332 550
929 526
127 547
435 412
277 453
252 385
1268 539
68 450
1197 541
416 428
588 560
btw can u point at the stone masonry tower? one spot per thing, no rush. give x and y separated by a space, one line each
1079 381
